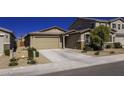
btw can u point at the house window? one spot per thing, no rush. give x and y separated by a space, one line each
87 38
119 26
113 26
93 25
122 26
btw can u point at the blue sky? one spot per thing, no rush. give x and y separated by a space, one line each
24 25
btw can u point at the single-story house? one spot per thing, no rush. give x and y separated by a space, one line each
7 39
79 32
77 39
49 38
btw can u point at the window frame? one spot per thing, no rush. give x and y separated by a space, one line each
119 26
122 26
114 26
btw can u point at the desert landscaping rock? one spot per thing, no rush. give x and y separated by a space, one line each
61 60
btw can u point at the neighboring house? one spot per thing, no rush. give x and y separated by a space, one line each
45 39
7 40
79 31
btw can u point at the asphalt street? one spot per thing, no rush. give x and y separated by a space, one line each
111 69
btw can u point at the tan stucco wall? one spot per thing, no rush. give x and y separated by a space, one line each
83 39
73 41
120 39
100 23
8 40
45 42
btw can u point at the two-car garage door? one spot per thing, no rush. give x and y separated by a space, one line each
46 42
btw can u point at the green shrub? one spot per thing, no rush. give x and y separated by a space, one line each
13 62
83 51
87 48
37 54
34 49
30 53
97 53
112 52
97 47
108 46
7 52
117 45
31 61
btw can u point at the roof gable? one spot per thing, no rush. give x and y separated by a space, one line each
54 27
49 31
119 18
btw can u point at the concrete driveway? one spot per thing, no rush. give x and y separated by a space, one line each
61 60
68 56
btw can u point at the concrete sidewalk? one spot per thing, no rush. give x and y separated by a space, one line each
61 60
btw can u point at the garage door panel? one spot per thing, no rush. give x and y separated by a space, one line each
46 43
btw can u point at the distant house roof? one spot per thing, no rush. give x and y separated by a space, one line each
47 32
93 19
119 18
7 31
102 20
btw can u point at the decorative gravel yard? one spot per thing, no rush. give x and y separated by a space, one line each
22 61
4 61
105 52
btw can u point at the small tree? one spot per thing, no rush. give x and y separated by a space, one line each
99 36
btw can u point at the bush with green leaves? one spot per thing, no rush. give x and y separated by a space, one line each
117 45
99 36
112 52
31 53
37 54
97 53
13 62
83 51
108 46
87 48
7 52
34 49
